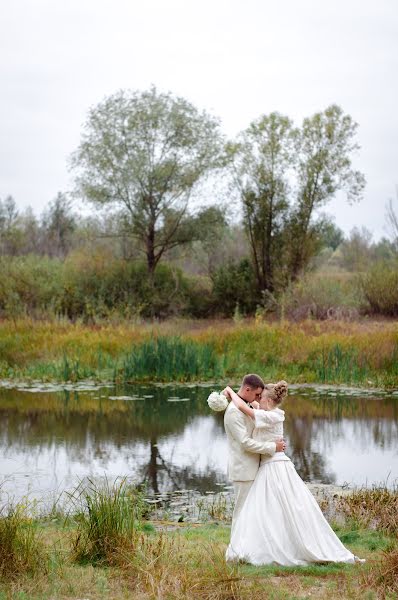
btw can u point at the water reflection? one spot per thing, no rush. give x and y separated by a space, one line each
49 440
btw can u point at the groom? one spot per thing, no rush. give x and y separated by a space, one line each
243 451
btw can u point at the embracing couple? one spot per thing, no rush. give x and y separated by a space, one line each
276 519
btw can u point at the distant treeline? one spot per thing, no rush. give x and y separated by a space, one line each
149 251
86 275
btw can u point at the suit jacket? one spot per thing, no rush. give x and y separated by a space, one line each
244 451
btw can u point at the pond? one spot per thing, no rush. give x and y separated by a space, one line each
52 436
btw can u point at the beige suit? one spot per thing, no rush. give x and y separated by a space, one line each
243 453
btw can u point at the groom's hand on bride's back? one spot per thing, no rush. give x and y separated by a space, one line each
280 445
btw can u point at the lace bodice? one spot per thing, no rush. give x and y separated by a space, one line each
268 426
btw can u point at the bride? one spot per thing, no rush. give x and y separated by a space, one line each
280 521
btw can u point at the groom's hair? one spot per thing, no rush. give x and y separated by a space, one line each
252 380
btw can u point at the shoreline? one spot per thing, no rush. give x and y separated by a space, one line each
38 385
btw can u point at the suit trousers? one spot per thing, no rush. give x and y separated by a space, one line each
241 489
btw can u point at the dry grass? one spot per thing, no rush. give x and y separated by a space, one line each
376 508
186 564
383 575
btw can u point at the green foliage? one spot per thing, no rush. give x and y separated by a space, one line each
330 236
380 288
263 156
29 285
235 285
170 359
100 286
356 251
279 217
144 152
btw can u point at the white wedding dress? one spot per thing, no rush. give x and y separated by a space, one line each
281 521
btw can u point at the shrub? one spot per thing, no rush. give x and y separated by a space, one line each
29 285
380 288
322 298
235 285
99 286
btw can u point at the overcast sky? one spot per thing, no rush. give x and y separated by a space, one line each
236 58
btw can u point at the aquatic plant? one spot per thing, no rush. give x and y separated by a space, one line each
171 358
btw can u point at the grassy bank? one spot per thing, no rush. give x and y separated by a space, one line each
324 352
105 549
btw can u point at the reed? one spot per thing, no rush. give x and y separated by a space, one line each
171 358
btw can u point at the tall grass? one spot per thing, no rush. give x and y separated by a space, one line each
22 551
172 358
108 517
341 365
383 574
375 507
327 352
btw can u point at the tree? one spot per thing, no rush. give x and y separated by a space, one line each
10 238
144 153
262 159
356 251
284 175
330 236
59 224
392 220
325 144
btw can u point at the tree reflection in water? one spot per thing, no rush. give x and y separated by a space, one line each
170 444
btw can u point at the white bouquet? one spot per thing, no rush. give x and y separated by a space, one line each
217 401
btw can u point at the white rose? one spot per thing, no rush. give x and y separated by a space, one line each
217 402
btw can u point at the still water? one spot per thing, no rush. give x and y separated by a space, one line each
50 438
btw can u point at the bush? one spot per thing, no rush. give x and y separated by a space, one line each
380 288
322 298
99 286
200 303
235 285
29 285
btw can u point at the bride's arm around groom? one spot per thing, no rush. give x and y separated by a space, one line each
244 451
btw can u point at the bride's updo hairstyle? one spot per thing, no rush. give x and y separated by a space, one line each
276 391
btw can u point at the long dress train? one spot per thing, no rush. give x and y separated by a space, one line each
281 521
